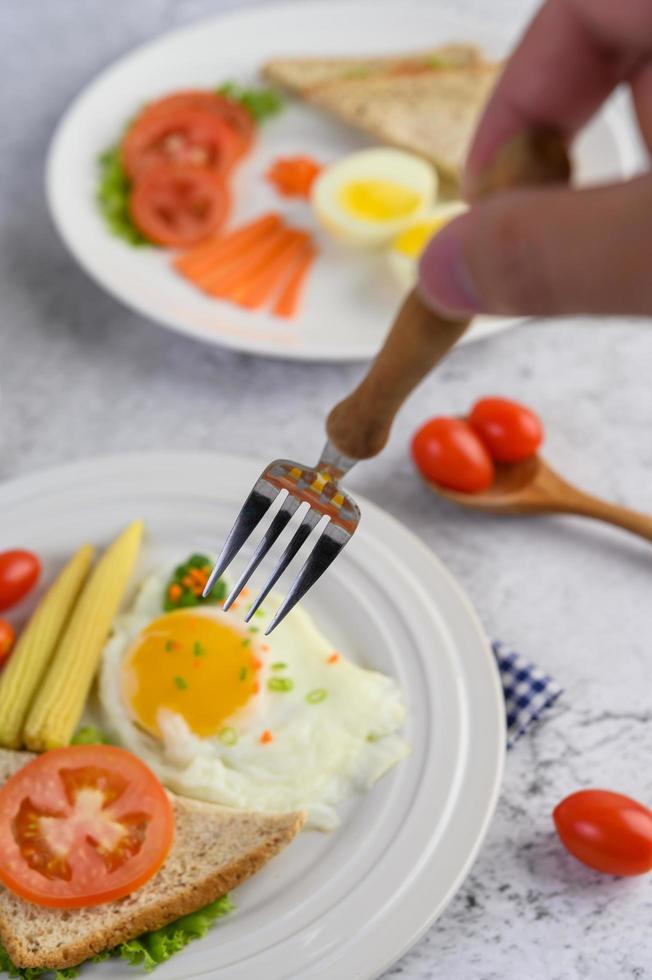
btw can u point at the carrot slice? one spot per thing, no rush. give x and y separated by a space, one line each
255 292
234 266
203 256
223 279
288 302
233 285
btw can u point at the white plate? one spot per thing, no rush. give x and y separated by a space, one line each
349 302
344 905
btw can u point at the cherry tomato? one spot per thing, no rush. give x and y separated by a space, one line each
509 431
7 637
178 204
448 452
239 120
608 831
183 135
82 825
19 573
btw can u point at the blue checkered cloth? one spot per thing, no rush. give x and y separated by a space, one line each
528 691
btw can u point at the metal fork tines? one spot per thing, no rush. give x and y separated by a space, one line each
318 488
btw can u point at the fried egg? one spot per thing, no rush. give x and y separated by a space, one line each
366 198
221 713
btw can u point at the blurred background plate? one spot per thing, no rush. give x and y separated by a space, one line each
350 300
349 903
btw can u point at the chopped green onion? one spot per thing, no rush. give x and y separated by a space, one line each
198 649
169 646
228 736
246 642
279 665
314 697
243 673
280 684
254 629
181 683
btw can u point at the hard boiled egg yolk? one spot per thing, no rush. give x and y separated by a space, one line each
414 239
192 664
378 200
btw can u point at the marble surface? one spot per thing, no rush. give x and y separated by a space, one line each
81 375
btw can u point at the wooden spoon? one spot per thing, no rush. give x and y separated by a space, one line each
532 487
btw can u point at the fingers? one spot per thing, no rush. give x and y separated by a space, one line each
545 252
641 83
569 60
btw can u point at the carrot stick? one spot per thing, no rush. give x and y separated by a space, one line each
221 280
204 255
287 303
256 291
233 266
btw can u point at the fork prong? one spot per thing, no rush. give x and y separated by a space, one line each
271 535
253 510
309 522
325 551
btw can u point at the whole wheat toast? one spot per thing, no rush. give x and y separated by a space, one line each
214 850
302 74
432 113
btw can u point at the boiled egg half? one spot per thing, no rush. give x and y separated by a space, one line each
368 197
407 247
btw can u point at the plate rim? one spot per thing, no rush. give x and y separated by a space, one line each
22 486
224 339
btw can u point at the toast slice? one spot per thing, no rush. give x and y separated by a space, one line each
214 850
300 75
432 113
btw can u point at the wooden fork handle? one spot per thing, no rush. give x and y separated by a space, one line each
359 426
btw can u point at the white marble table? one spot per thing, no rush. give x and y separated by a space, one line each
81 375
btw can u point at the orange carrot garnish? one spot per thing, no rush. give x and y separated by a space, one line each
266 737
334 657
293 176
269 278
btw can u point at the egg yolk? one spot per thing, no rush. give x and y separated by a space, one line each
193 665
413 240
378 200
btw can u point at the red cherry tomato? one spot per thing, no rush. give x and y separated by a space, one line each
448 452
178 204
608 831
19 573
82 825
509 431
7 637
184 135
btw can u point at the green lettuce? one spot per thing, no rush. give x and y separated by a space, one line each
261 103
145 952
113 192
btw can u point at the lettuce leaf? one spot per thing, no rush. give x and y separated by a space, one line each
145 952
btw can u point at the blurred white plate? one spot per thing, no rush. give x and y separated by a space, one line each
350 299
332 906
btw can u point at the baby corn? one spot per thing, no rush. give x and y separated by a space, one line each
59 703
28 663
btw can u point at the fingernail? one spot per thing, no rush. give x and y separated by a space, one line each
445 282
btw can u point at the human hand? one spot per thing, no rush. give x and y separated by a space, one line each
558 250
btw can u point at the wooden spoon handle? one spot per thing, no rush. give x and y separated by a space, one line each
359 426
570 500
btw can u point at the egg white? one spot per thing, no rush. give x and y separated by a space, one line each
321 753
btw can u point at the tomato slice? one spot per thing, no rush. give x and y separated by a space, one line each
82 825
19 573
179 204
184 134
239 120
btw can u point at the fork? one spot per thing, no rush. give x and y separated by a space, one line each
359 426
